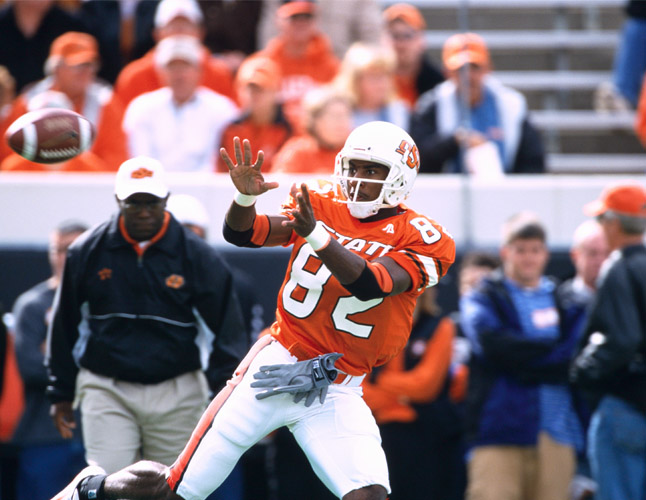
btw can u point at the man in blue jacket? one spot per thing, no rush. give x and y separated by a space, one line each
522 431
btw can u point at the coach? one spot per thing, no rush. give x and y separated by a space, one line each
612 361
136 290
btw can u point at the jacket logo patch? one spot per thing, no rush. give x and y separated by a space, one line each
175 281
140 173
390 229
105 274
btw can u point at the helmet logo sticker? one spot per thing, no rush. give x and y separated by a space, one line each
410 154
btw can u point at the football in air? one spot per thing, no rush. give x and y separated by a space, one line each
50 135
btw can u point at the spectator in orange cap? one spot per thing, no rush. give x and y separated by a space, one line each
71 70
262 120
415 73
344 22
303 54
328 122
173 17
474 113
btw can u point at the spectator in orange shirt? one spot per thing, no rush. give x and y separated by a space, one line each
640 123
328 122
71 68
262 120
415 73
173 17
303 54
409 397
85 162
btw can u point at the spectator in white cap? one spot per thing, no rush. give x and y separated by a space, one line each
141 193
182 123
173 17
137 291
190 213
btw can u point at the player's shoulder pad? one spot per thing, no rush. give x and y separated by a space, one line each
426 228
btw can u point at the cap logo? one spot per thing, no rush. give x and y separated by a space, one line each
141 172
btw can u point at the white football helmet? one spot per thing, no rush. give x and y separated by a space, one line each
386 144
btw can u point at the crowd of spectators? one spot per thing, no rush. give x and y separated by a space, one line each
176 79
167 79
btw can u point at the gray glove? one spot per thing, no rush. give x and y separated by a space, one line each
304 379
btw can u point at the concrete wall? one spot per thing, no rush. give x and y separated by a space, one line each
473 211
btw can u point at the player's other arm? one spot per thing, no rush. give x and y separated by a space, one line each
242 225
363 279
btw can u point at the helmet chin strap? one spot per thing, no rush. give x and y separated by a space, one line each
360 210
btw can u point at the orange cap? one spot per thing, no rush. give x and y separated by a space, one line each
291 8
406 13
260 71
465 48
626 199
75 48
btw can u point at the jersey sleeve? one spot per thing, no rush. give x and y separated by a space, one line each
427 253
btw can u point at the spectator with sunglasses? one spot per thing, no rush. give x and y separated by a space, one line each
415 72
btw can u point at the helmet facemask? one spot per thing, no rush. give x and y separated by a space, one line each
392 190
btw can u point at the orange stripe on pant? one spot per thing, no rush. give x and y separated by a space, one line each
179 467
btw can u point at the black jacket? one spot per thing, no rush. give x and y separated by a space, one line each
135 318
436 149
636 9
428 77
616 363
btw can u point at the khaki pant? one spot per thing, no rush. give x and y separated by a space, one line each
541 472
124 422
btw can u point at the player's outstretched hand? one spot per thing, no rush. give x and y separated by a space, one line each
307 379
303 220
246 175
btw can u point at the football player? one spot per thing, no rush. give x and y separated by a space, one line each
360 258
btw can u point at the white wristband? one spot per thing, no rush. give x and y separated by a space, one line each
244 200
318 238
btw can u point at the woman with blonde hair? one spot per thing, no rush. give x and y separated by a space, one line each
367 74
328 121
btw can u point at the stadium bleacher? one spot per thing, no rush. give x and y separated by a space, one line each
556 52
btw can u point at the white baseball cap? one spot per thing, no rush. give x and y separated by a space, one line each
167 10
184 47
188 209
141 174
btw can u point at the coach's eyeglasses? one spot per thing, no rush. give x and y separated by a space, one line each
136 206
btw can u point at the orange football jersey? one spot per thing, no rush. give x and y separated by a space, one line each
317 315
